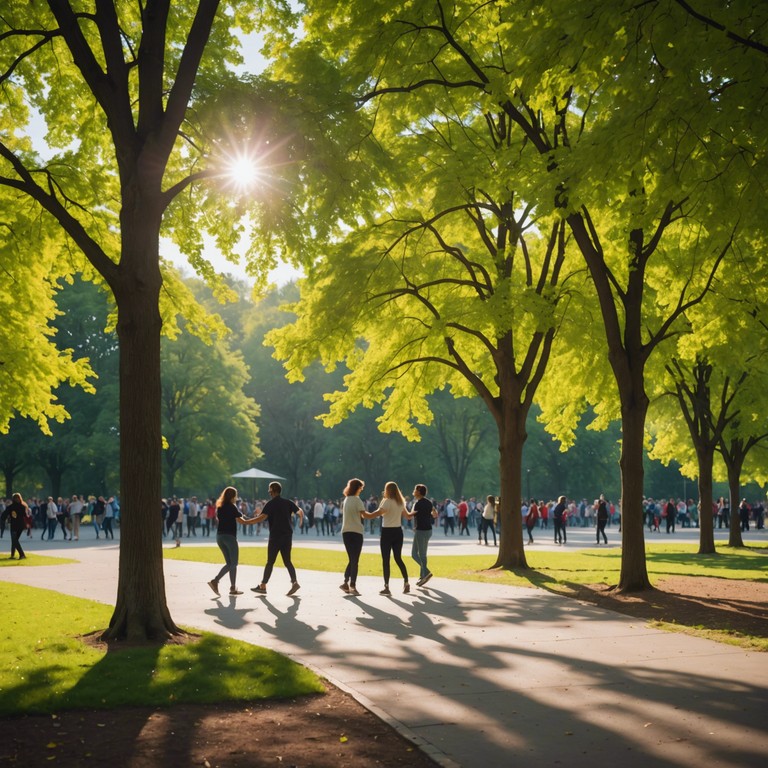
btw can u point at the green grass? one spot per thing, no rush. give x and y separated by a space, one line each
47 667
584 566
33 559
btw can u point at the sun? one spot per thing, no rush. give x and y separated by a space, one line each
242 170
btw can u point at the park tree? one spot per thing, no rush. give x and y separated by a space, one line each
461 432
704 408
627 134
32 366
115 86
442 277
711 397
209 424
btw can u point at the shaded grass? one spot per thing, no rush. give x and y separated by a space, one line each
583 566
48 667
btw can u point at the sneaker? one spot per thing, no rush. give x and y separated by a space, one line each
235 591
385 591
426 579
353 591
406 588
294 588
344 587
259 590
214 585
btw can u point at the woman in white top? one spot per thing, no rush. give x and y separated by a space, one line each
353 512
392 510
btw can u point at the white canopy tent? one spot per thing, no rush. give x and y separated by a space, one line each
255 475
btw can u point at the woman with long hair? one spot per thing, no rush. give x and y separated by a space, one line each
228 516
392 510
352 511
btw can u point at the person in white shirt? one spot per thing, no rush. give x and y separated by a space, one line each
392 510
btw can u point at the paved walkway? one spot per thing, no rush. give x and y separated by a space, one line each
478 674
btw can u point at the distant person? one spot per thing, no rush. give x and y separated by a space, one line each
744 513
176 519
278 512
99 509
489 513
392 510
16 514
75 511
109 516
558 514
671 515
531 518
463 516
425 513
228 516
602 519
50 520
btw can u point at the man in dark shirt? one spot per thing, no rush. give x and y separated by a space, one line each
278 513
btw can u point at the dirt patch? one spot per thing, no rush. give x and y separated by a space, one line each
726 605
333 730
330 730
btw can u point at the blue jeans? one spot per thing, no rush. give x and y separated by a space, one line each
231 551
419 550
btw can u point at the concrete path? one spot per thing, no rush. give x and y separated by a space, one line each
477 674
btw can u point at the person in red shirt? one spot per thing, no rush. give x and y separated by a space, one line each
530 519
463 516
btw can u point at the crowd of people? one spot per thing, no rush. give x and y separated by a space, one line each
50 515
190 517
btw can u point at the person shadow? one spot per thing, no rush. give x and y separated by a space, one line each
228 615
287 626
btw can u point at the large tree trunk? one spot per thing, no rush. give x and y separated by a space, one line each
634 574
141 613
512 437
734 528
706 523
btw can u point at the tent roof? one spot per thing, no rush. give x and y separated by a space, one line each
257 474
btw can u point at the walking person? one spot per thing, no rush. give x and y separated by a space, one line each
424 512
278 512
489 513
602 518
16 514
352 528
392 510
228 516
176 519
109 516
558 513
51 512
671 515
75 510
530 519
99 509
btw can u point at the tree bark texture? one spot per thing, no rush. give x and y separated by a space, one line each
512 436
634 573
706 528
141 613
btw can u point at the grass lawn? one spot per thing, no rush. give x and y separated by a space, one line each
547 569
47 667
33 559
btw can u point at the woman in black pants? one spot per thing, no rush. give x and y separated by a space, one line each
353 511
392 510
